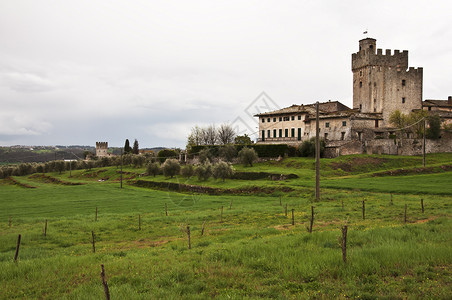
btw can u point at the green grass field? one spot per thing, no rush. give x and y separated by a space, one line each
250 251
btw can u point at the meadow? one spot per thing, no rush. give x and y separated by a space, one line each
243 246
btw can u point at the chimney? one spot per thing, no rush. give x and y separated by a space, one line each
449 100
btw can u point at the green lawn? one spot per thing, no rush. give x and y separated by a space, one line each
252 251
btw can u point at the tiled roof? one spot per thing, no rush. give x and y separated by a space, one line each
444 103
324 107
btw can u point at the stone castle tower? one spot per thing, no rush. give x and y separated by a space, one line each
101 149
383 83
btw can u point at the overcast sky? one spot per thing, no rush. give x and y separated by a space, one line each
81 71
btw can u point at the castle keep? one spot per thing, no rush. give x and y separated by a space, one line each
382 84
101 149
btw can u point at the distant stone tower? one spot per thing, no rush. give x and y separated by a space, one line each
383 83
101 149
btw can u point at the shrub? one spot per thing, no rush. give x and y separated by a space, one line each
222 170
171 167
204 171
188 171
166 153
307 148
205 155
60 166
153 169
40 168
434 130
228 152
247 156
138 160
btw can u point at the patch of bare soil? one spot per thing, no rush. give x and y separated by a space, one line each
12 181
427 170
49 179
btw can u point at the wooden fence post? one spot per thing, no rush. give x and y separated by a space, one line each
17 248
45 229
139 222
293 217
166 210
221 215
312 219
96 215
422 205
104 283
285 209
364 210
230 205
405 213
344 243
9 221
202 230
94 245
391 200
188 234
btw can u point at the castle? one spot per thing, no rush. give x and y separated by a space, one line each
382 84
101 149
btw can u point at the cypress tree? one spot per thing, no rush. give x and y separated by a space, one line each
135 149
127 148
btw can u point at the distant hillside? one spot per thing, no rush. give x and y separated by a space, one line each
24 154
19 154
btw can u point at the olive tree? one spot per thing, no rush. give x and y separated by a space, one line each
153 169
222 170
247 156
171 167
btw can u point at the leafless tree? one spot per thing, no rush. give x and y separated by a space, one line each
210 135
226 134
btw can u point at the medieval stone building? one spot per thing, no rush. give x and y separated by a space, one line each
382 84
101 149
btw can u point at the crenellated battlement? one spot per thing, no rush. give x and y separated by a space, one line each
101 145
368 57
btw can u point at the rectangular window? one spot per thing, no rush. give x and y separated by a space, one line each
263 135
403 99
327 124
342 136
360 84
280 133
326 136
292 132
274 133
286 132
403 82
344 123
280 119
263 120
299 117
268 120
376 123
274 119
268 133
286 119
293 118
359 135
299 134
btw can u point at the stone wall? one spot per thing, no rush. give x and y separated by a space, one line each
409 146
